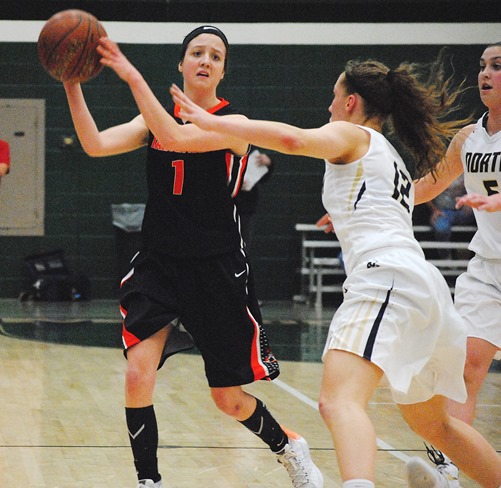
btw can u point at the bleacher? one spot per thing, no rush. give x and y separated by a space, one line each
321 270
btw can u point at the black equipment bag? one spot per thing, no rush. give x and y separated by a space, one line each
52 280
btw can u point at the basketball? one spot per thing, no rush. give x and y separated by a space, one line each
67 46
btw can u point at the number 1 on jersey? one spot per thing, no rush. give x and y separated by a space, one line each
178 166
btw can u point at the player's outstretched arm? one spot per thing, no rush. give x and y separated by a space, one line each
333 141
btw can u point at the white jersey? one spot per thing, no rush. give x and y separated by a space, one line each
370 201
397 310
481 157
478 290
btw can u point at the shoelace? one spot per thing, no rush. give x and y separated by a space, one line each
434 455
437 457
295 468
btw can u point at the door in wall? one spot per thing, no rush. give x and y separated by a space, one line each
22 191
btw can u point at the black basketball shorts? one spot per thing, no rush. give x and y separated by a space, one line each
214 299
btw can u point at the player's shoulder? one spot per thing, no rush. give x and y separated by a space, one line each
461 136
467 130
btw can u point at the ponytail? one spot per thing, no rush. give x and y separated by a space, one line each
415 110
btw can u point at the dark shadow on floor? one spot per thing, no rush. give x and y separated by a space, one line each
290 340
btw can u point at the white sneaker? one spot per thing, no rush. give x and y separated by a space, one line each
421 475
446 468
298 463
150 484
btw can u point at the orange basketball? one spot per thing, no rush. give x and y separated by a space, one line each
67 46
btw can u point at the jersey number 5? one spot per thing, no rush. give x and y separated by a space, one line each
490 185
178 166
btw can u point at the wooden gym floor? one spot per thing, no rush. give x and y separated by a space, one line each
62 417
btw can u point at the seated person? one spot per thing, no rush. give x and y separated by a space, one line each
444 214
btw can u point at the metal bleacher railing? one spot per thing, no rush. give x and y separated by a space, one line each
321 269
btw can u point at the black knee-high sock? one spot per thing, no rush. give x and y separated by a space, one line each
143 436
266 427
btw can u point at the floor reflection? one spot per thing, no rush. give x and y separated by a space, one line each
294 341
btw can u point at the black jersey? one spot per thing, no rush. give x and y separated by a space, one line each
190 209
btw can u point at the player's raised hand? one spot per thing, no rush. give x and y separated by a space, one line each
191 111
112 56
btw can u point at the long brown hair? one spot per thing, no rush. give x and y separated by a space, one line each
416 109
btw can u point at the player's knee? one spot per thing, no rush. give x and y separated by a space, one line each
475 371
228 404
479 357
132 376
137 378
331 407
473 379
324 407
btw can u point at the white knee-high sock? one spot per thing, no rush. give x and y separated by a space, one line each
359 484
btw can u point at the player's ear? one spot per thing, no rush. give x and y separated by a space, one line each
180 67
351 102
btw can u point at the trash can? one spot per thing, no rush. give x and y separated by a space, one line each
127 219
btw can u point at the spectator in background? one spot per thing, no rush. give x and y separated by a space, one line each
259 169
4 158
444 214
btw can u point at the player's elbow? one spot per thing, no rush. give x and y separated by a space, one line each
174 140
175 145
92 151
292 144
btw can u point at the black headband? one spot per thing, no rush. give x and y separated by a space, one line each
203 29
